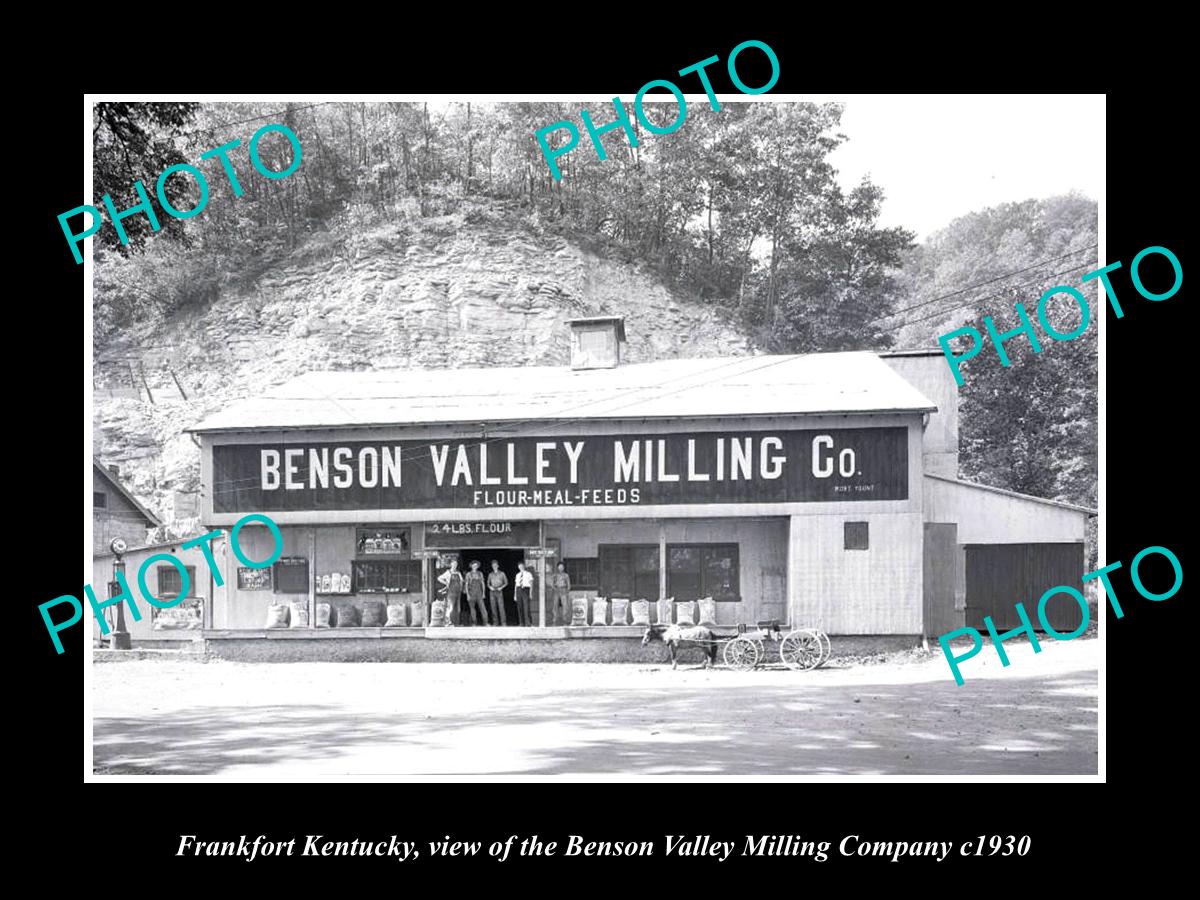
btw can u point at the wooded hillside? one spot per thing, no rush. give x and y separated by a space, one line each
739 209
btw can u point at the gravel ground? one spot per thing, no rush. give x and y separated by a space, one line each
900 714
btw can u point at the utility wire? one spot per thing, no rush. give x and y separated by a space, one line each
974 300
419 453
981 284
558 423
121 355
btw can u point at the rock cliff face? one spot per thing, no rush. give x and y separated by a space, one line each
451 294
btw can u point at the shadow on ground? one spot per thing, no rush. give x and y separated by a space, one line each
999 726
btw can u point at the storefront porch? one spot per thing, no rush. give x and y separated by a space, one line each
607 643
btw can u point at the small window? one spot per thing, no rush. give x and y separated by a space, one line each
584 572
99 500
856 536
170 582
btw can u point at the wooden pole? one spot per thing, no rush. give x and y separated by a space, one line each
145 383
182 392
541 576
662 560
312 578
426 581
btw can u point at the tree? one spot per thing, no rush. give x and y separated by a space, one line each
134 142
1030 426
838 275
739 206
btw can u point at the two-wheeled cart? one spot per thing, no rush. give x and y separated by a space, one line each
800 648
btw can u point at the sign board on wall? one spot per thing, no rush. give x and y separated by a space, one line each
480 534
543 473
188 615
253 579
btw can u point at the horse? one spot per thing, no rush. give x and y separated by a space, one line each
677 636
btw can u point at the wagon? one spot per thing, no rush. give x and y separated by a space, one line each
800 648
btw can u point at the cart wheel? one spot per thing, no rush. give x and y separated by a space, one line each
741 653
801 650
826 644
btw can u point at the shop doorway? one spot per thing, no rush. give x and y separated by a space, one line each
508 559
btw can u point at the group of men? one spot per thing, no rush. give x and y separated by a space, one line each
474 586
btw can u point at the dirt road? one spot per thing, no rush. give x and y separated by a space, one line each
1038 716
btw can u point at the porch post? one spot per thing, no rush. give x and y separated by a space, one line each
662 561
312 577
541 576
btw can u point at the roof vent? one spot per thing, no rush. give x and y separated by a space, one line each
596 342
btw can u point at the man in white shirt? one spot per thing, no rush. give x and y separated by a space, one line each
524 588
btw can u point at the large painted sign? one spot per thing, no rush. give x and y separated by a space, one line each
531 472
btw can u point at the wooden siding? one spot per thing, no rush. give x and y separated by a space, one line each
929 374
1001 575
986 517
874 591
941 559
200 588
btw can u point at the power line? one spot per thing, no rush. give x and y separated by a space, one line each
418 453
792 357
973 301
981 284
143 347
558 423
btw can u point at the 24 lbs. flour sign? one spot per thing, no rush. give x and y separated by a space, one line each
609 470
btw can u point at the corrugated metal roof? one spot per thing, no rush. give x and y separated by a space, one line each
737 386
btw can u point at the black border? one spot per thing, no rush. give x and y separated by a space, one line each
1148 433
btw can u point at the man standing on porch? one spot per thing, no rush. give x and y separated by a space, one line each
453 580
475 584
524 590
497 582
560 583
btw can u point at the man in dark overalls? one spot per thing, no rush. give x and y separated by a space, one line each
476 586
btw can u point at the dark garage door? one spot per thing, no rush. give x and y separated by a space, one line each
1001 575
